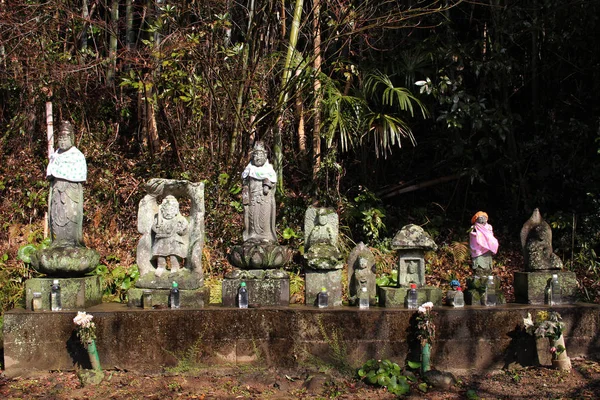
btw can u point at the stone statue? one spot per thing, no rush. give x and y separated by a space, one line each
483 244
258 197
361 273
67 170
170 239
321 226
536 239
411 242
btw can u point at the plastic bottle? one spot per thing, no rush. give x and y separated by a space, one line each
490 292
55 301
412 297
555 295
363 298
243 296
147 299
36 303
323 298
459 298
174 296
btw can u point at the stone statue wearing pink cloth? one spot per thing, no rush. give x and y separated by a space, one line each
483 244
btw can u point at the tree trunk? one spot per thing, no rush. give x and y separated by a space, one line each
84 32
112 53
129 32
318 93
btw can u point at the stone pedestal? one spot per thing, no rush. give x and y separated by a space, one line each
475 293
396 296
188 298
531 287
261 292
75 293
317 279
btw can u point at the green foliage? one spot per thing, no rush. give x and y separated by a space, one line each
117 280
390 279
385 373
12 279
187 361
365 214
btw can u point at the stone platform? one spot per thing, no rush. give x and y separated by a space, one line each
75 293
261 292
317 279
472 338
395 297
530 287
188 298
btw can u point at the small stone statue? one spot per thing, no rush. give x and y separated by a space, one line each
536 239
483 244
258 198
170 236
66 171
321 226
361 273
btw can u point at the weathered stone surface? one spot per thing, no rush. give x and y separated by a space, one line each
396 297
531 287
193 238
361 273
252 255
62 262
478 338
536 239
188 298
411 267
413 237
261 292
185 278
75 293
317 279
475 293
321 227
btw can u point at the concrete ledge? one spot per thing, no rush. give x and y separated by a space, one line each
148 340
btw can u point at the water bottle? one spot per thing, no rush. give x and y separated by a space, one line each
243 296
555 295
55 302
412 297
459 298
323 298
490 292
363 298
174 296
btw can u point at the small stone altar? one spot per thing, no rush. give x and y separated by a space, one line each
170 248
67 258
259 260
533 284
324 260
411 243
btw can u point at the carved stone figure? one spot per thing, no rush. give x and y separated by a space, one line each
483 244
258 197
321 226
412 242
361 273
536 239
170 239
66 256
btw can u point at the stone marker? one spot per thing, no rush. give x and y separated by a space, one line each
361 273
259 259
170 248
66 257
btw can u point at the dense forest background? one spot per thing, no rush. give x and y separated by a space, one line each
391 111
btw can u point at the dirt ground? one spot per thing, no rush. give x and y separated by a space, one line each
583 382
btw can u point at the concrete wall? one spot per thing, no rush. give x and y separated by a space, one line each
148 340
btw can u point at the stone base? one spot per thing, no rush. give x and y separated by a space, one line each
530 287
261 292
396 296
475 293
75 293
329 279
195 298
186 279
65 261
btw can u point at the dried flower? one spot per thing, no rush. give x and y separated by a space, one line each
86 329
425 325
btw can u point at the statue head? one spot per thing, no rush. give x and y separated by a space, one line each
322 217
259 154
411 266
480 217
66 137
169 207
362 262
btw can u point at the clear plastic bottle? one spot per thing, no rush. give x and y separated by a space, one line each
147 299
174 296
490 292
363 298
555 295
243 296
36 303
412 297
323 298
459 298
55 301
